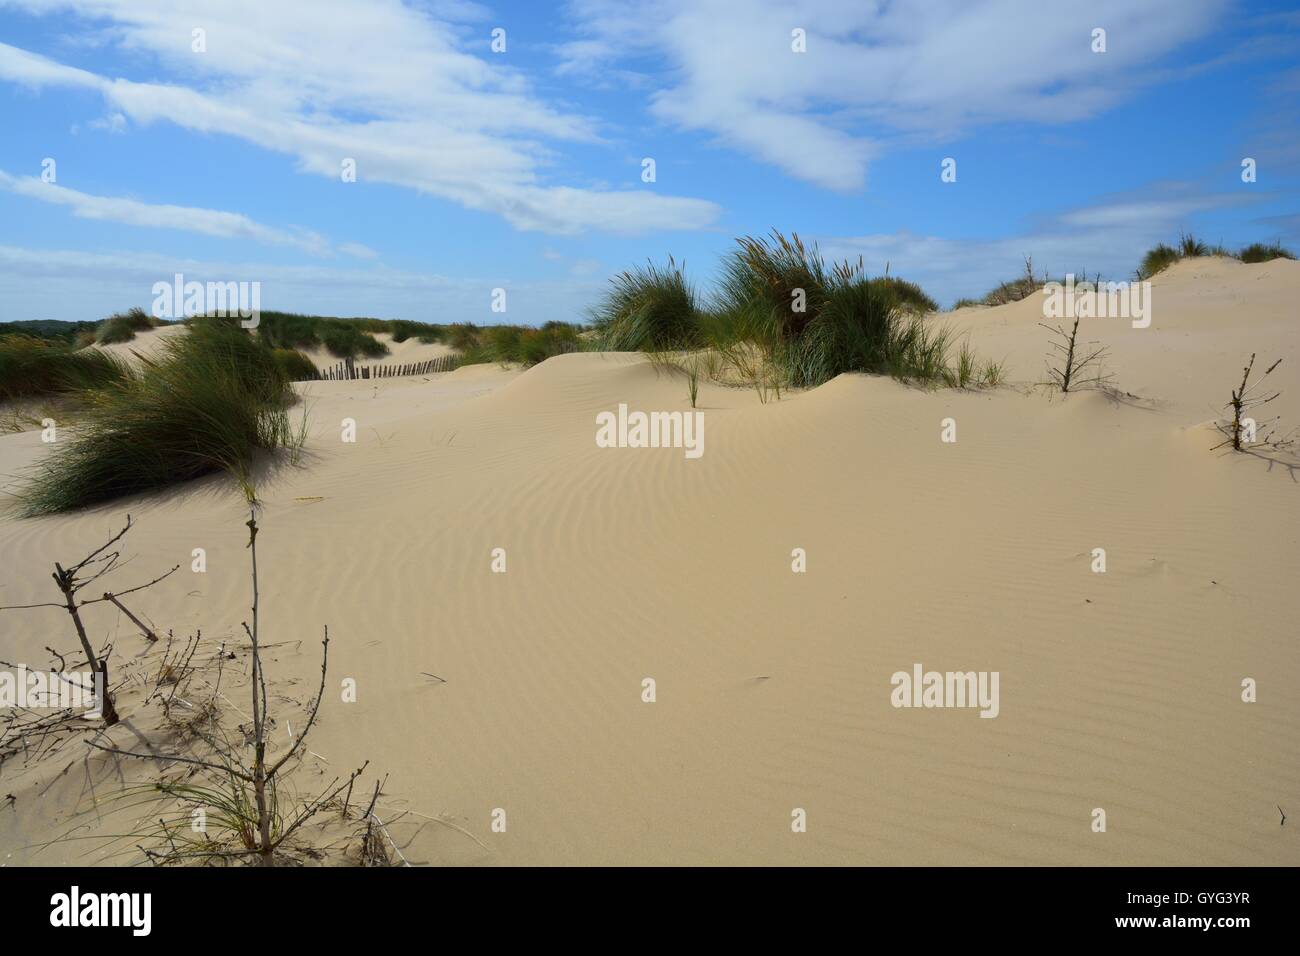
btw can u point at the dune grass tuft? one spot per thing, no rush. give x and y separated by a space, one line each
123 326
650 307
778 279
214 400
509 344
907 295
1162 255
294 366
1262 252
30 366
345 341
402 329
817 320
344 338
781 316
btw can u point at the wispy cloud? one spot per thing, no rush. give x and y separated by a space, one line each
414 109
133 212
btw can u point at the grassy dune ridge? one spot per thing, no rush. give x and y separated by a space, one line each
214 401
805 320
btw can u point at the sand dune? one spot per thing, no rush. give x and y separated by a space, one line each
411 350
1118 690
147 343
150 342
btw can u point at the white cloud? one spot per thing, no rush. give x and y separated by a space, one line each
132 212
112 123
382 83
872 70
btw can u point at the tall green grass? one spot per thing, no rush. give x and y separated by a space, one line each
347 341
401 330
123 326
1262 252
781 316
526 346
214 400
1161 256
775 284
817 320
1013 290
31 366
294 366
907 295
650 307
344 338
50 329
1157 259
553 338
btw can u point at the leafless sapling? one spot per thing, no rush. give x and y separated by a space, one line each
1077 368
1241 429
261 830
70 582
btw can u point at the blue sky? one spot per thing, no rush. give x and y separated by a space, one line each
522 169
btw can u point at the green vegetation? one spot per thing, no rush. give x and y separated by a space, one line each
553 338
294 366
30 366
344 338
402 330
908 295
355 338
780 317
123 326
1260 252
1162 256
1012 290
1157 259
513 343
650 307
50 329
215 400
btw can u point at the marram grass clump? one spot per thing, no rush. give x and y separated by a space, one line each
650 307
514 343
1263 252
816 320
214 401
123 326
32 366
781 316
1162 255
295 366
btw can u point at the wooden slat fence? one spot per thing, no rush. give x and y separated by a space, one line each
348 369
